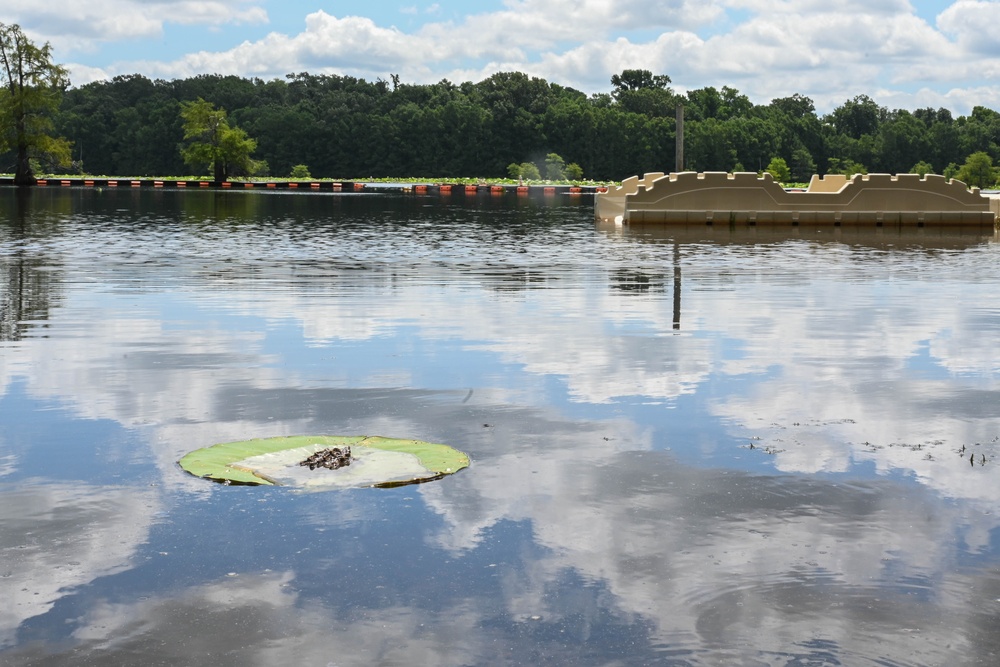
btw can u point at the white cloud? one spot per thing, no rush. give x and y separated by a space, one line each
80 75
876 7
328 44
829 52
970 22
81 26
779 50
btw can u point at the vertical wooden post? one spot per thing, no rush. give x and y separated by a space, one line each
679 150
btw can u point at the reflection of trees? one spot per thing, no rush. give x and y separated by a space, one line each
515 281
641 282
25 291
636 281
218 205
25 296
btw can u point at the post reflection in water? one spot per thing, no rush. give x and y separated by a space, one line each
677 286
784 480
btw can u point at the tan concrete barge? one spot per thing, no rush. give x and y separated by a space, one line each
746 199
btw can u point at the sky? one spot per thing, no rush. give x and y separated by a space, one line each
902 53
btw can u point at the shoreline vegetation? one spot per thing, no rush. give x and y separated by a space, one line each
366 179
330 186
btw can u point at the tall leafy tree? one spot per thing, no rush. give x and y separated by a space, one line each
637 79
802 165
794 123
902 141
32 87
711 103
709 146
978 171
212 142
980 131
859 117
754 140
640 91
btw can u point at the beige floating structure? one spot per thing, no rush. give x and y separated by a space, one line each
746 199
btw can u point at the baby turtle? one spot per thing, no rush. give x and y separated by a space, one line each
332 458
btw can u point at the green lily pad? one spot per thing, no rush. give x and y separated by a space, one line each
375 461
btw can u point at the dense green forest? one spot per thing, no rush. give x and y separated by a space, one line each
344 127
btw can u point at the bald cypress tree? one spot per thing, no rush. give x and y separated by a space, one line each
31 88
212 143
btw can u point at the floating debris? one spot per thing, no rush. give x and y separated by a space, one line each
928 450
982 459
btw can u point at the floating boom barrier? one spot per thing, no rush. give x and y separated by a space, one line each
320 186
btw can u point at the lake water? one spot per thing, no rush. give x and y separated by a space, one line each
688 448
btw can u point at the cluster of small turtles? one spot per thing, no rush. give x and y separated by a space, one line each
332 458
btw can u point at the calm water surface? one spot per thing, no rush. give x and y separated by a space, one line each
700 448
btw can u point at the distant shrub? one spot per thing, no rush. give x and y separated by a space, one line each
529 171
555 167
778 168
300 171
978 171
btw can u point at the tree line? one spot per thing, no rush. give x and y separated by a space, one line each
333 126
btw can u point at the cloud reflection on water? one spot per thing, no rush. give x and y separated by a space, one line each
718 566
55 537
817 343
835 357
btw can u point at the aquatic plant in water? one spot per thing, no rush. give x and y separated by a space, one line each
361 461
